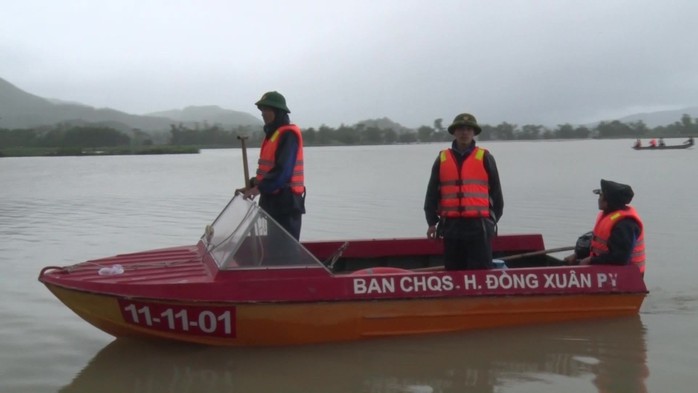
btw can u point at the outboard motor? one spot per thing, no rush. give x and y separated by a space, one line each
583 247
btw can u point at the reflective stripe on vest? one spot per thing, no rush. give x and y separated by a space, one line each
602 231
464 193
267 158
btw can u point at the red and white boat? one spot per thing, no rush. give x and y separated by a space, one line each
248 283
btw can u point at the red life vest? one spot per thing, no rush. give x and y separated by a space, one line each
464 193
602 231
267 158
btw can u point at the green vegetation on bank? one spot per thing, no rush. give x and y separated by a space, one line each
105 151
363 134
64 140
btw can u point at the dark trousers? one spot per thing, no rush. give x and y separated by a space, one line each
468 244
279 248
291 223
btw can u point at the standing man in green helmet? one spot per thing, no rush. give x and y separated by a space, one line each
464 197
279 182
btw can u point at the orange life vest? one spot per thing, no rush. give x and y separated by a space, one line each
602 231
464 193
267 158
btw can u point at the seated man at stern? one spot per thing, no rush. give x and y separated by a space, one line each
618 236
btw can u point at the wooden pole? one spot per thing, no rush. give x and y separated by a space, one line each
507 258
533 253
244 161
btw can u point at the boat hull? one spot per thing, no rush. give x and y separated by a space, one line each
672 147
291 323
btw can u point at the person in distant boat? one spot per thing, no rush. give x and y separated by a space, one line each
618 236
638 143
661 142
653 142
464 197
689 141
280 181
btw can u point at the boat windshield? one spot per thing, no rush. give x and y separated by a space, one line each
245 236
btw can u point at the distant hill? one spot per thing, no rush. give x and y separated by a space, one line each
384 124
210 114
19 109
662 118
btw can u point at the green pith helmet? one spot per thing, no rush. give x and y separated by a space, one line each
273 99
465 119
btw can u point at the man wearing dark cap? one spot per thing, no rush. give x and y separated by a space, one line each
280 181
464 197
618 236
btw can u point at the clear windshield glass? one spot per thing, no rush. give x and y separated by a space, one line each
244 236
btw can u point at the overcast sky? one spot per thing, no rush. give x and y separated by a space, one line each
524 62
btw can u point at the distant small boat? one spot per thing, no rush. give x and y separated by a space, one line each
665 147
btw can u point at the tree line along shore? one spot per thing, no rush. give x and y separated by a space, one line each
69 140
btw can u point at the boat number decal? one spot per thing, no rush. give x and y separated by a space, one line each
499 280
197 320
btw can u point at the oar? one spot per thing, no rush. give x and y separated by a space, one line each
507 258
244 160
533 253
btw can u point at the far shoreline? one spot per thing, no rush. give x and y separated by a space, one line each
106 151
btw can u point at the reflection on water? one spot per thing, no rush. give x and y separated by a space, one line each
610 354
